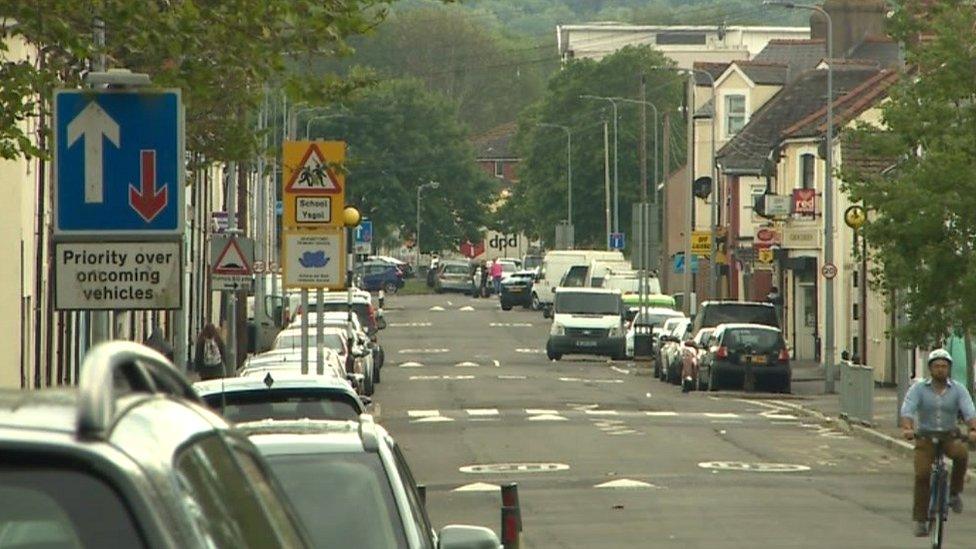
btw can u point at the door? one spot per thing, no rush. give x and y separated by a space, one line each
805 320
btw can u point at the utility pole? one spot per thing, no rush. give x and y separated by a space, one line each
687 196
100 328
606 176
231 363
663 210
260 221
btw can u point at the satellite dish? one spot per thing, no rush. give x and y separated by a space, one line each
702 187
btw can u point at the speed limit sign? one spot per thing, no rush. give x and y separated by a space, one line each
258 267
829 270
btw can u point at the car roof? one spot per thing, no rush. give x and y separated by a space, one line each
734 302
660 311
308 436
281 381
292 330
742 325
586 290
50 409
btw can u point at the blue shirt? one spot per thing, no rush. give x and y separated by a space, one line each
937 412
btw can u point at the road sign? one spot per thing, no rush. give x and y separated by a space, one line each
118 163
313 189
701 243
765 255
314 259
616 241
829 270
230 263
117 275
363 237
679 263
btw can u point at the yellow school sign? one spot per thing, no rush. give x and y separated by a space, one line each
313 185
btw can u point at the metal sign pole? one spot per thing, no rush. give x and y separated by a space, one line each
304 334
319 331
231 363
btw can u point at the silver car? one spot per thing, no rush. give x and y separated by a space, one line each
453 276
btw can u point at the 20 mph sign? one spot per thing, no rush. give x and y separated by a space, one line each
829 271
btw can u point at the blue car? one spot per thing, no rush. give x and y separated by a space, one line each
376 275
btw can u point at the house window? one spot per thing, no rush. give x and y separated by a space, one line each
807 163
735 113
499 169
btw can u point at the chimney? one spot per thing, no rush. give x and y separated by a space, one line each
854 20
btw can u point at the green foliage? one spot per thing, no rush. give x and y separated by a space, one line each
400 137
220 53
922 231
539 200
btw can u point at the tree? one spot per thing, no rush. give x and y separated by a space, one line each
402 136
921 230
221 54
539 200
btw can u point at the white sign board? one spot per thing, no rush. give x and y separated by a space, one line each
230 263
313 210
117 275
802 238
314 260
777 205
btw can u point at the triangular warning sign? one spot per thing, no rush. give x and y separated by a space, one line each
312 175
231 261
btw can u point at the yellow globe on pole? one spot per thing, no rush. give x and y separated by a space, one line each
351 217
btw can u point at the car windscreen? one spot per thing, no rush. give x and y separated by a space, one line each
243 406
656 319
752 339
531 262
294 341
455 269
588 303
343 499
741 313
47 506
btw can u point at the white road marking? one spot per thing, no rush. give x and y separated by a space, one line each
422 351
436 308
579 380
496 363
409 324
625 483
620 370
719 416
726 421
623 432
660 414
477 487
512 377
423 413
466 308
422 378
547 417
482 411
537 411
450 303
510 324
601 412
780 417
754 467
466 365
432 419
529 351
449 378
411 365
514 468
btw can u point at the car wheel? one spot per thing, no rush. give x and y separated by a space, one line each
657 367
506 306
712 380
376 374
368 384
536 304
551 354
786 386
391 287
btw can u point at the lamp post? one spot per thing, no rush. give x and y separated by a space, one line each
616 173
569 167
654 107
428 185
308 125
828 191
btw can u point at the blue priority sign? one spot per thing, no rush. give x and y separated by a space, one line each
364 232
118 159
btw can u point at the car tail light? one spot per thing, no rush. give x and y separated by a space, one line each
784 355
722 352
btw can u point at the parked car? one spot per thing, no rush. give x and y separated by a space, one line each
354 330
352 487
652 320
281 395
402 266
517 290
587 321
453 276
370 317
741 351
286 359
133 458
668 363
712 313
374 276
358 359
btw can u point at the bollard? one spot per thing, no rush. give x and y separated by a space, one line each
510 499
382 298
422 492
510 528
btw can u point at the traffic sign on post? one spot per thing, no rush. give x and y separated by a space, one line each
230 263
118 159
363 237
313 185
616 241
314 259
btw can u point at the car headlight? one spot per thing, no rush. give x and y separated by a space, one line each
557 329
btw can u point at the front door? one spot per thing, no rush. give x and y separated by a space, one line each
805 320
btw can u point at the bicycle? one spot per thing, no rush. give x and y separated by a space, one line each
939 483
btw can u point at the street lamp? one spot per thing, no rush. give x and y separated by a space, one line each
616 172
308 125
828 192
569 166
654 107
428 185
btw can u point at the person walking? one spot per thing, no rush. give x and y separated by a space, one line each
209 354
496 276
937 401
483 286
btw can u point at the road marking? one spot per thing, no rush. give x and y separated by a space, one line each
530 351
493 468
625 483
576 379
547 417
432 419
449 378
423 413
580 407
780 417
537 411
409 324
450 303
660 414
512 377
621 370
600 412
754 467
466 365
436 308
422 351
726 421
466 308
477 487
496 363
720 416
622 432
510 324
482 411
411 365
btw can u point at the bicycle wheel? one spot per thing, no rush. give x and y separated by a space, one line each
939 507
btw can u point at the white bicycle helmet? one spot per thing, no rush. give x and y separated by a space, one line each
939 354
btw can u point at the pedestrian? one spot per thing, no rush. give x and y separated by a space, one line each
496 276
157 342
483 286
209 354
432 271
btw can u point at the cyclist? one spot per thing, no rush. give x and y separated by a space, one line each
937 401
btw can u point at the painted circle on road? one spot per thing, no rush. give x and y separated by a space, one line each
754 467
509 468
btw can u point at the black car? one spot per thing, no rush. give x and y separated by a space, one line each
517 290
745 355
132 458
712 313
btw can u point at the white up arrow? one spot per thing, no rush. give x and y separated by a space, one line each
92 123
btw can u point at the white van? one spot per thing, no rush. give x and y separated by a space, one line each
555 265
587 321
601 268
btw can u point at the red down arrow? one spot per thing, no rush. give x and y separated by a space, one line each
146 201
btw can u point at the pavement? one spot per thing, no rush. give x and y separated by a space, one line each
607 458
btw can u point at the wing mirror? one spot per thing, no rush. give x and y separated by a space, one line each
467 537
